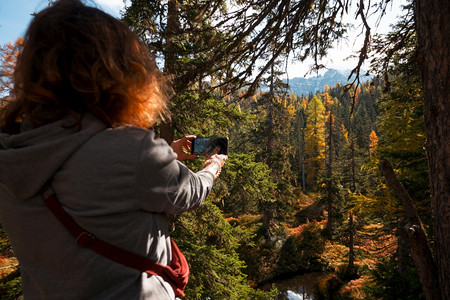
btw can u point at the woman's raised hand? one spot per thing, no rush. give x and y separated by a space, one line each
182 147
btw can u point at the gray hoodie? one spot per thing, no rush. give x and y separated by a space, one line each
117 183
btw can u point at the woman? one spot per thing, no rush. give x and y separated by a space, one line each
85 91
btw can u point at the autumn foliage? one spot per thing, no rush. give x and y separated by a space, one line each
8 57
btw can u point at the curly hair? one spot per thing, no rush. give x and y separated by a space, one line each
78 59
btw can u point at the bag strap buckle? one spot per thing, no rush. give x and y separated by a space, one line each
85 239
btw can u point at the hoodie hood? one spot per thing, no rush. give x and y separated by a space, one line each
29 159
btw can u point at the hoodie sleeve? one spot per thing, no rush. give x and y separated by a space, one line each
165 184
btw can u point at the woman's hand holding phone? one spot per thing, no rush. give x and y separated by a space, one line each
213 160
182 148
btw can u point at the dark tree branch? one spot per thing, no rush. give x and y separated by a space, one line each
420 248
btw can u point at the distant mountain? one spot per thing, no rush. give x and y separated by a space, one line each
304 86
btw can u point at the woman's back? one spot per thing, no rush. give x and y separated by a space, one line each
98 183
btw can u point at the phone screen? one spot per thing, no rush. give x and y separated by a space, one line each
203 146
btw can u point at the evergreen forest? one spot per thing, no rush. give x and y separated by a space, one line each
339 183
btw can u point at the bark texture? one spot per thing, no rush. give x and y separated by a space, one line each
170 59
433 29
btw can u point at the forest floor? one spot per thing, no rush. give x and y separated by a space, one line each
305 249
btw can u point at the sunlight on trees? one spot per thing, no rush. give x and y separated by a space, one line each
301 191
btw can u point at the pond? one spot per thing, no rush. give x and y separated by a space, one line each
301 287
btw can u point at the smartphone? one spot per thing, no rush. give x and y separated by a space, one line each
205 145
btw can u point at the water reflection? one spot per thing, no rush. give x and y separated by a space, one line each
302 287
300 294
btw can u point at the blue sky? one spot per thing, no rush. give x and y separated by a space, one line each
15 15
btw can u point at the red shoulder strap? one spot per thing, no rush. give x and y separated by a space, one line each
176 275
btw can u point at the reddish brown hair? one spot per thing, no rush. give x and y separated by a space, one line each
78 59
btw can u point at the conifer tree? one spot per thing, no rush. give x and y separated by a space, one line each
373 141
182 37
329 155
314 141
272 135
298 141
330 182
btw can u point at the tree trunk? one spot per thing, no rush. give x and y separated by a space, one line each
268 215
433 28
300 150
303 155
166 131
303 172
269 145
420 248
170 57
403 249
351 246
351 238
268 212
330 196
